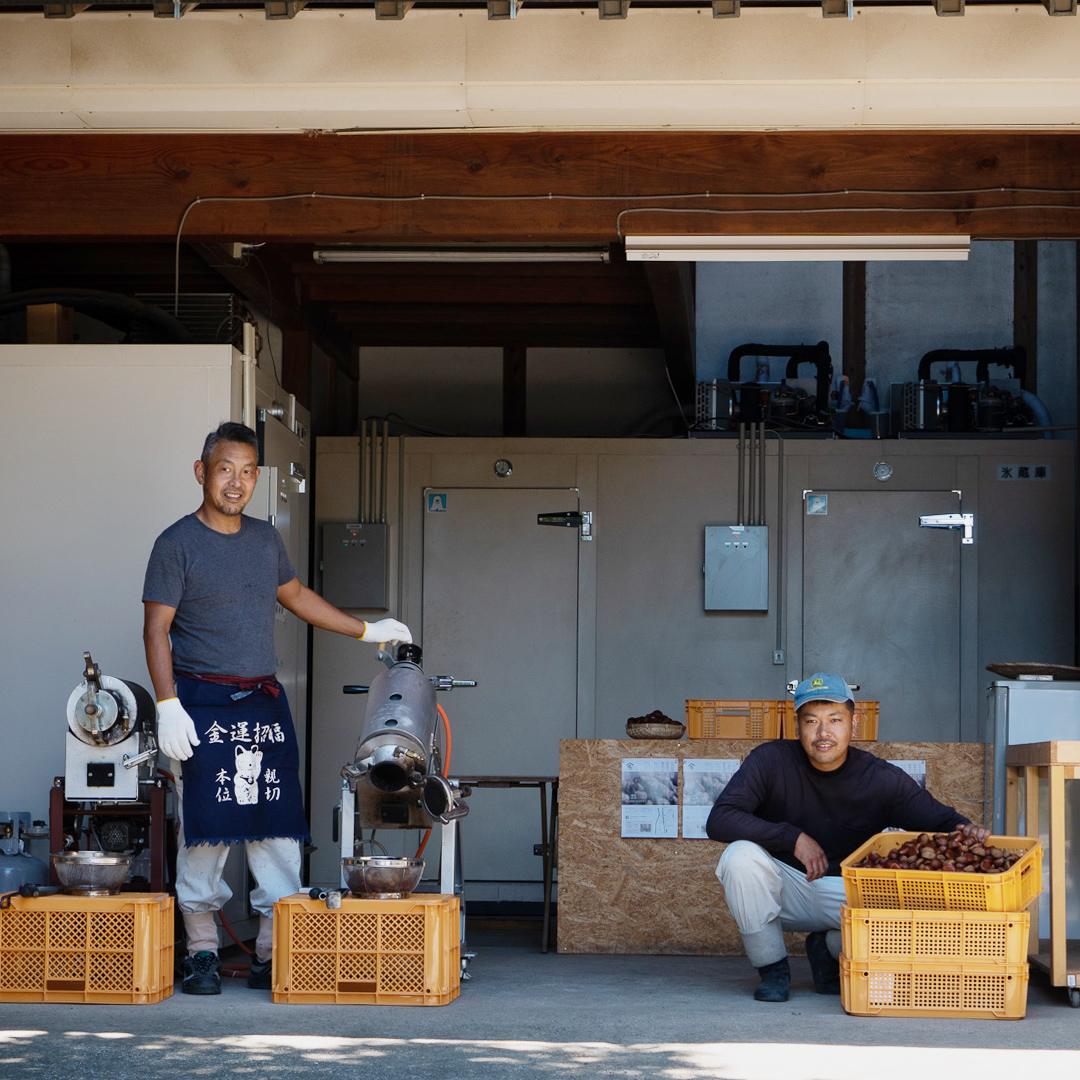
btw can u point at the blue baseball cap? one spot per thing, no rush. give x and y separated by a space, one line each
822 687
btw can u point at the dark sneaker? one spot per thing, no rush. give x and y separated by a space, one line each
775 981
824 967
261 975
202 973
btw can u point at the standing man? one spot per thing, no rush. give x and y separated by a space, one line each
790 814
212 583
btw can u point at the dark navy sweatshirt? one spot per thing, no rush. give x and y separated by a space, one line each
778 794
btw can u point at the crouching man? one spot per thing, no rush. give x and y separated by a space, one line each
789 815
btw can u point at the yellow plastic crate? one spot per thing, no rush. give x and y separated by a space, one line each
367 952
947 936
732 719
966 991
867 714
101 950
936 890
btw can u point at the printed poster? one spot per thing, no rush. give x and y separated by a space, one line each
650 797
703 780
915 769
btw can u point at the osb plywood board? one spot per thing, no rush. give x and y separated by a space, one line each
662 896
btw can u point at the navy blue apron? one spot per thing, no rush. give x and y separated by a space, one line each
242 781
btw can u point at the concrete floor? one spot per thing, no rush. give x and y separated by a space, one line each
524 1014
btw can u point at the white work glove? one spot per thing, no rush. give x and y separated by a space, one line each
387 630
175 730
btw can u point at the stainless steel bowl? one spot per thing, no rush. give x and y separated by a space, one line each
380 877
91 873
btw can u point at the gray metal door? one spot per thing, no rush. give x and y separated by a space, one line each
500 606
881 605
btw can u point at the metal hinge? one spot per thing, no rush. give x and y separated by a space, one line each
951 521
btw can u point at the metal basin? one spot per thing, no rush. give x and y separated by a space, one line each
91 873
380 877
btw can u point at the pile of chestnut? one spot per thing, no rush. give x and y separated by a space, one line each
952 852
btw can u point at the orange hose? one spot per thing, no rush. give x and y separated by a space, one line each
446 728
445 772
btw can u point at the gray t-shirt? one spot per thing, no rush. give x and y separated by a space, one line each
224 588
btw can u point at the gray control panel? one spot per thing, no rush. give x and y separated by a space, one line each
354 566
736 568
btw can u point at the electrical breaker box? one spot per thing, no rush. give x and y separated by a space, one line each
354 565
736 568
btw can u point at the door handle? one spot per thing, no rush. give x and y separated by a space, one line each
951 521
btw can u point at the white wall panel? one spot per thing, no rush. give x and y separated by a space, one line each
100 443
326 69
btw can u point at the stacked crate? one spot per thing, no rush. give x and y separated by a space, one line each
929 943
729 718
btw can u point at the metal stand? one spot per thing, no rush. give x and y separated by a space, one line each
451 882
63 815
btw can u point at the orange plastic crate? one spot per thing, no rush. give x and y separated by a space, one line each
967 991
947 936
866 720
102 950
935 890
731 719
367 952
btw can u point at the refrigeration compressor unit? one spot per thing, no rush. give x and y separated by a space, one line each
955 406
723 404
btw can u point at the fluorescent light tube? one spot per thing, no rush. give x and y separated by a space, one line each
460 255
702 248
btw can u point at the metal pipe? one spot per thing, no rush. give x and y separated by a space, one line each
248 362
751 483
779 543
742 435
373 474
761 474
362 490
385 450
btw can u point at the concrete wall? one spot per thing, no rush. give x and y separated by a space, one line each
913 307
767 303
458 391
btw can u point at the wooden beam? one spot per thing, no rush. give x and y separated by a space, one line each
854 321
1026 307
514 391
296 365
125 186
672 286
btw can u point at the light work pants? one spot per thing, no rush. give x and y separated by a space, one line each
767 897
200 886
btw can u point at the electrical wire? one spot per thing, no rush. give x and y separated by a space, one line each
682 411
680 196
